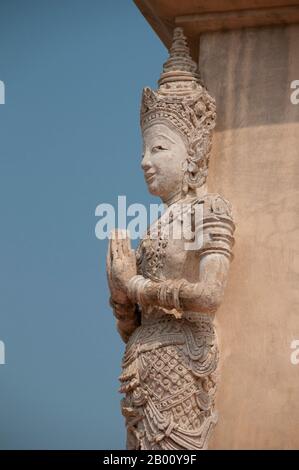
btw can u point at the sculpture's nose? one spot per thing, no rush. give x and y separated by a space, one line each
146 162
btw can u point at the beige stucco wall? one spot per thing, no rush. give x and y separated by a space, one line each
255 164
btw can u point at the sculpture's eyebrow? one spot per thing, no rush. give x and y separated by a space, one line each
166 137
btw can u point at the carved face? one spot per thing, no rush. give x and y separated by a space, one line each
164 151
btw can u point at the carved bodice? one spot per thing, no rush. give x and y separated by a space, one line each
175 243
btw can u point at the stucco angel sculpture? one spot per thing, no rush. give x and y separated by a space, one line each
166 294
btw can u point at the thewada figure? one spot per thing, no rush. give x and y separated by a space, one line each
166 294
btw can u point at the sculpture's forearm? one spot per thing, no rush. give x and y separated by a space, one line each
198 297
127 320
203 296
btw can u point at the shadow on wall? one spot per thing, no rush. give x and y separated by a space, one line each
248 93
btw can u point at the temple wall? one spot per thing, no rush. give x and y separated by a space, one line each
255 164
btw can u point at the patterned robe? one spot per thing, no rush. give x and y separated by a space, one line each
170 364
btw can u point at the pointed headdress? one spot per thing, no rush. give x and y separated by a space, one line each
183 103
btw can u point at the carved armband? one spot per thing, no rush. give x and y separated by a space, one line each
136 289
169 294
217 226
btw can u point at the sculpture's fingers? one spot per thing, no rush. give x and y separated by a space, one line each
113 245
108 260
127 244
124 243
119 242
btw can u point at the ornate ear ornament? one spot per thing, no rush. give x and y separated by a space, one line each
183 103
195 168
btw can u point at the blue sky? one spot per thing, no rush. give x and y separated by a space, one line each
69 140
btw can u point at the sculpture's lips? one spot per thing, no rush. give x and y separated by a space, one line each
149 177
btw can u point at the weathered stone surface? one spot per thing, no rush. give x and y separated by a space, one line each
255 163
165 295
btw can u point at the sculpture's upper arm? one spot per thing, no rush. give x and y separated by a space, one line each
215 255
213 268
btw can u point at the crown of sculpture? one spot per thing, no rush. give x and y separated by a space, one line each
183 103
181 98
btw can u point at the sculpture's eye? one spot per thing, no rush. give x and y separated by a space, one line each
158 148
